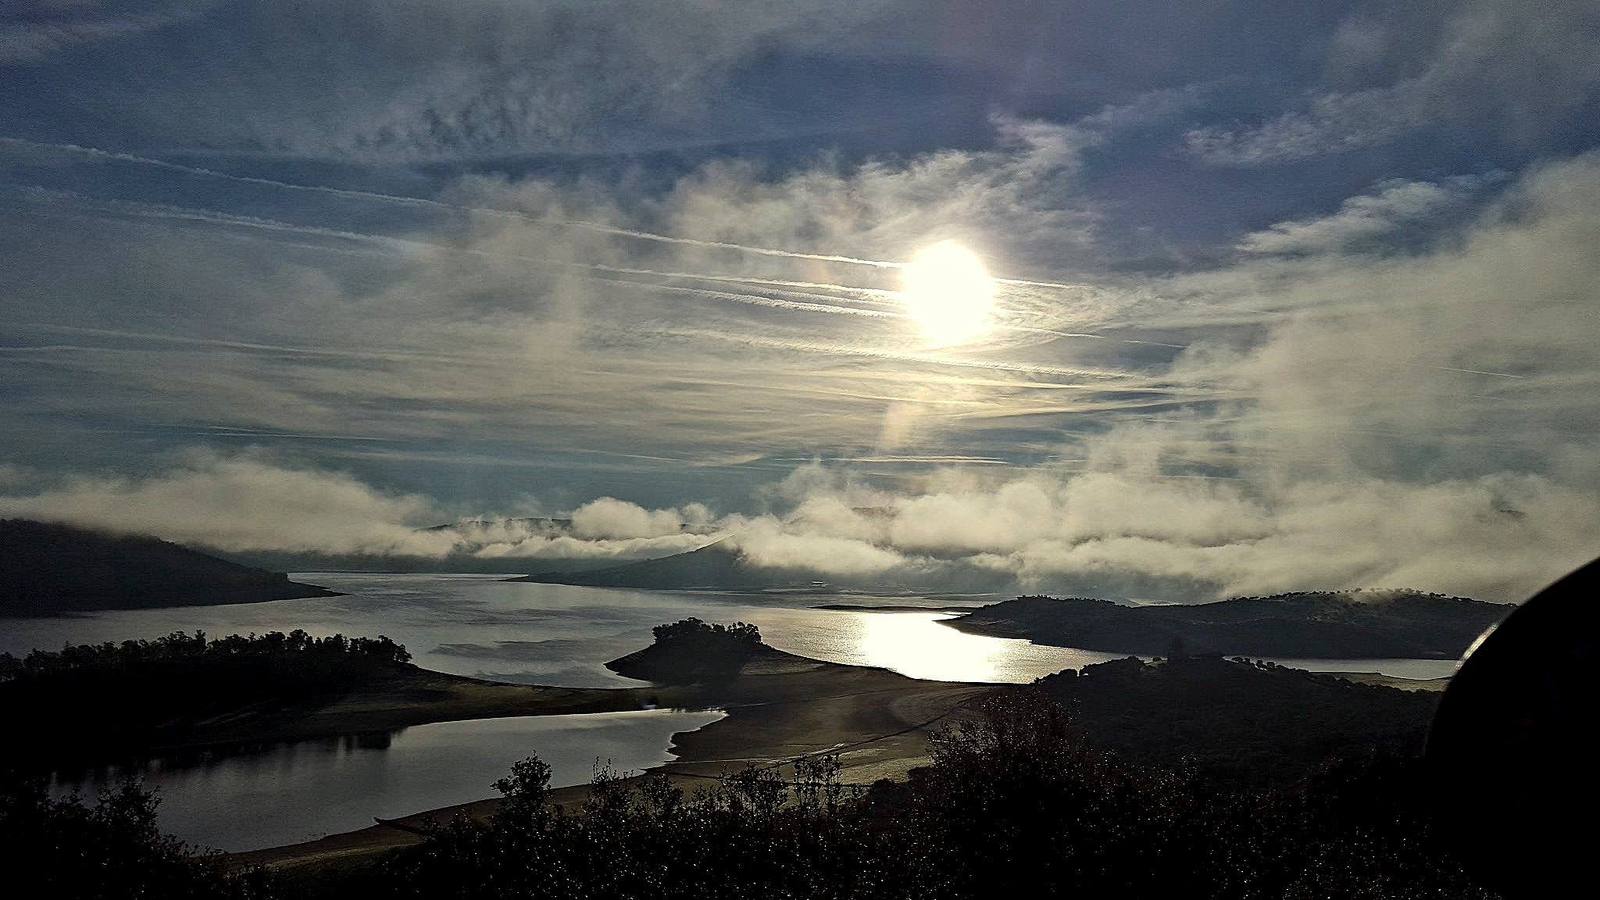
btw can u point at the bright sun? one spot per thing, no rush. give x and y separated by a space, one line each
949 293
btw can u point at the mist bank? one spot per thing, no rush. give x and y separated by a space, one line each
1126 528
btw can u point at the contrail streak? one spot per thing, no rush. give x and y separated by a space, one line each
211 217
865 295
595 227
894 356
1476 372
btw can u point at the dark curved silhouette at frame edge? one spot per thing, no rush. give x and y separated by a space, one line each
1512 749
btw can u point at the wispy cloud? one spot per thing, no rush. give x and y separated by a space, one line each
1365 220
1488 63
58 26
1256 291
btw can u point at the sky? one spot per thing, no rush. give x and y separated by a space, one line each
1286 295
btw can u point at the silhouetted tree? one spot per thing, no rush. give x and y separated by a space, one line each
110 849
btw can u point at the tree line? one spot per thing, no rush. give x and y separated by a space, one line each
180 647
1012 802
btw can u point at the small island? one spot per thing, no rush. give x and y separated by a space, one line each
1186 744
103 703
692 651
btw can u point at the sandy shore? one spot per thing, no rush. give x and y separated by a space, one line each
1395 681
779 707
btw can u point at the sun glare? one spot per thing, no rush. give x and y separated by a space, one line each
948 291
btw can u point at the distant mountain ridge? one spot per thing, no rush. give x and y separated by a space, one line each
48 569
475 535
720 566
715 566
1308 625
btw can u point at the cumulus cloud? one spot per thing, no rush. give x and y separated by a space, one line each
766 543
608 517
1124 534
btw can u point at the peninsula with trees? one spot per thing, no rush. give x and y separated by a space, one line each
1308 625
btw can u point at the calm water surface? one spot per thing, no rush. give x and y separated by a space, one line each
556 634
289 793
538 633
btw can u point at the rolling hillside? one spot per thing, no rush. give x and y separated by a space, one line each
48 569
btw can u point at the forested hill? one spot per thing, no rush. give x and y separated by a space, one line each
47 569
712 567
1331 625
1236 720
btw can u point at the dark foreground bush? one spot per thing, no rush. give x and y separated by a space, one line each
66 849
1012 803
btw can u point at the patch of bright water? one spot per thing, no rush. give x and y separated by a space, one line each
551 634
557 634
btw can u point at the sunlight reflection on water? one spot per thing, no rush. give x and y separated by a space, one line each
558 634
552 634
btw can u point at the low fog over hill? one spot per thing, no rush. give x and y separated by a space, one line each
47 569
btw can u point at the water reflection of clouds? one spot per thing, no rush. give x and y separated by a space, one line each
283 793
518 649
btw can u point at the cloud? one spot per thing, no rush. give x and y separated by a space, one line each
245 503
569 547
1364 220
1420 420
58 26
1123 533
1120 532
421 79
608 517
13 475
1488 64
1396 387
492 80
698 352
766 544
1332 418
242 504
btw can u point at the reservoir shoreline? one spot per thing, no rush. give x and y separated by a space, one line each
877 720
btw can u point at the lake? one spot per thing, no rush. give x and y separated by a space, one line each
287 793
482 626
479 625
